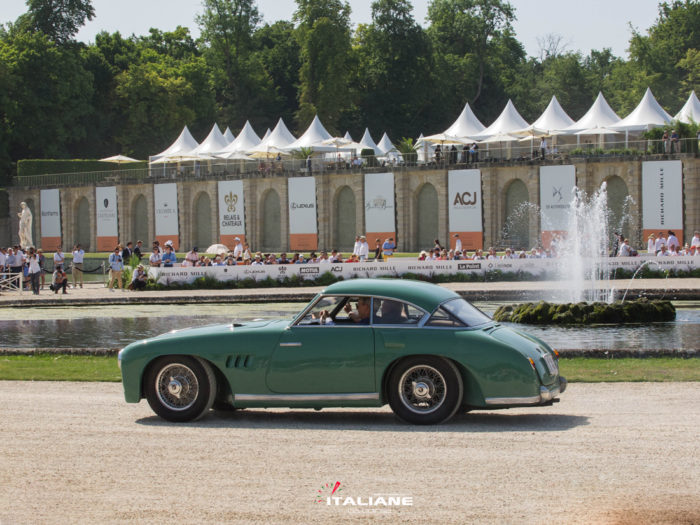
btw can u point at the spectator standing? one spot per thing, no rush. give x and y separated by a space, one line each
388 248
116 267
543 147
128 252
356 246
660 240
458 243
58 257
667 142
651 244
672 241
34 271
78 256
675 142
238 249
138 250
364 248
695 241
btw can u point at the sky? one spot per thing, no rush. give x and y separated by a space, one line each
582 24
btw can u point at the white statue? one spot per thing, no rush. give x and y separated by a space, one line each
25 226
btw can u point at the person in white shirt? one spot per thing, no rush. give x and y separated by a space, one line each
34 271
2 261
238 249
651 244
672 241
695 240
663 252
625 250
660 241
78 256
458 243
258 260
356 246
364 248
155 258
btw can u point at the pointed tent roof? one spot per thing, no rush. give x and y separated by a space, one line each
230 137
466 125
648 114
599 115
279 138
385 145
554 118
368 143
183 146
267 133
690 110
508 121
312 138
347 136
247 139
214 142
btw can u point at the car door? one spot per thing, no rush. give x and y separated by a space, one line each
323 358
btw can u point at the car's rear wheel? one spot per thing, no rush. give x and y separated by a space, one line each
180 388
425 390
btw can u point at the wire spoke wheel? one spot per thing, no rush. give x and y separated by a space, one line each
177 386
422 389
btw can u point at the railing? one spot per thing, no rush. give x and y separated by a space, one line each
11 281
559 148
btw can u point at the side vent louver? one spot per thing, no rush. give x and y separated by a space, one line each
239 361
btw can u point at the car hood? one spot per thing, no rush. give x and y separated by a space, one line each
215 329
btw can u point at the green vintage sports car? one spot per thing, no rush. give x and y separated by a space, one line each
359 343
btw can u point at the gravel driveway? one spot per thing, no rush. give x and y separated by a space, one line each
608 453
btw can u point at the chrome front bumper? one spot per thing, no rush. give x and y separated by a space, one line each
546 396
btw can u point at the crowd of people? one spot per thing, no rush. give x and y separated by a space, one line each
30 263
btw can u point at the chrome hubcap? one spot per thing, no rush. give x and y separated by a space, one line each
177 387
422 389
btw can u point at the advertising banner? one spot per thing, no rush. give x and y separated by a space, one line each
662 198
303 229
556 196
380 210
106 218
231 212
167 229
397 266
50 205
465 209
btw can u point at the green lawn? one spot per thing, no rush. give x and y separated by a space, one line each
578 369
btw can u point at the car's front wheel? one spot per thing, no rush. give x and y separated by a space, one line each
180 388
425 390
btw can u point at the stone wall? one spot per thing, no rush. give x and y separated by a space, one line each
409 183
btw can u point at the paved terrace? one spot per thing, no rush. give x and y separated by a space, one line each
97 294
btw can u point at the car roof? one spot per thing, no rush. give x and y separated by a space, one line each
425 295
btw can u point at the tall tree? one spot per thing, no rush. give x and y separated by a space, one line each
60 20
323 34
227 28
393 69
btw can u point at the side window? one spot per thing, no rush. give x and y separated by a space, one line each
444 320
390 312
329 304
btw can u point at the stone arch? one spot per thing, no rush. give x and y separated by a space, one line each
516 219
271 221
201 231
81 224
618 205
344 219
139 220
426 202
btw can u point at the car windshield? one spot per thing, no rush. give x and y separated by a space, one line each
466 312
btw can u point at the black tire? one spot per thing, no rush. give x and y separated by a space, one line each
425 390
180 388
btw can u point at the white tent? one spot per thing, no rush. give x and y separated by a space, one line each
424 148
246 140
599 115
230 137
181 148
389 151
214 142
348 137
267 134
507 122
278 139
466 125
648 114
554 118
312 138
368 143
690 110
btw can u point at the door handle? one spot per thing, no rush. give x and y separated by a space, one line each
290 344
